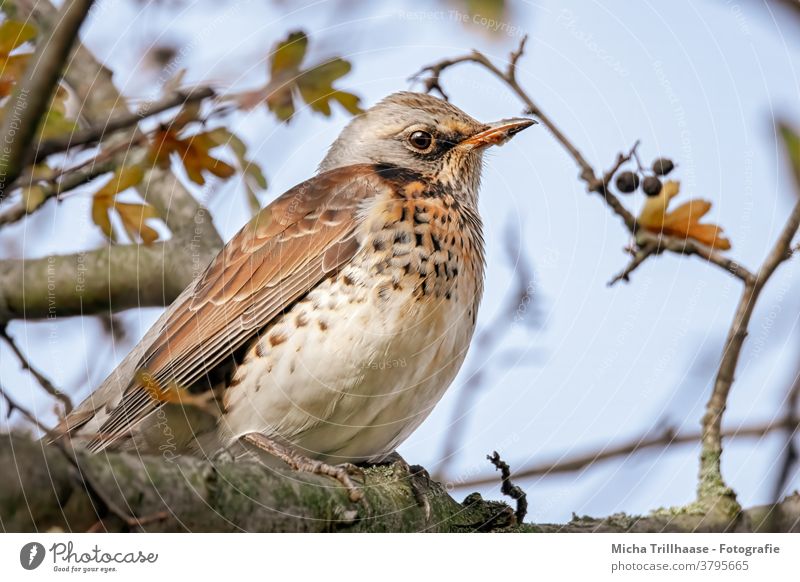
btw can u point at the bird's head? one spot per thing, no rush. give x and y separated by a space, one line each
422 133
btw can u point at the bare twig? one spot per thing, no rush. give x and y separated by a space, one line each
666 439
127 120
640 255
32 94
508 488
14 405
41 378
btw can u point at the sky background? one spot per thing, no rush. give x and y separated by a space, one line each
700 82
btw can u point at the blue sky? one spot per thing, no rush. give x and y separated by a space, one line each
700 82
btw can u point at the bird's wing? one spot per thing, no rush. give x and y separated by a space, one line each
282 253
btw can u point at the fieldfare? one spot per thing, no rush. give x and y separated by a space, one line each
329 327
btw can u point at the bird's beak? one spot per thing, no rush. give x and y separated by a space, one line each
497 133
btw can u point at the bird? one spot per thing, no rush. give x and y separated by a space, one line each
327 329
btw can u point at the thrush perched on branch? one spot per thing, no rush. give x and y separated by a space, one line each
329 327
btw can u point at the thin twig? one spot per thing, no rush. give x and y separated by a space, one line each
14 405
48 386
127 120
508 488
70 181
666 439
640 255
31 97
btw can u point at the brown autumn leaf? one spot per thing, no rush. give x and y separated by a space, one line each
133 216
682 221
193 151
288 81
13 34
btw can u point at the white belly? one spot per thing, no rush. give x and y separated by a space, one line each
348 373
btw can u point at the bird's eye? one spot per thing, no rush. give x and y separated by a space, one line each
420 140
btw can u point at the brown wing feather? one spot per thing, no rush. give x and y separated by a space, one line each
286 250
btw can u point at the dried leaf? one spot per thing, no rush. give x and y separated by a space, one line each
287 80
11 69
14 34
193 151
289 54
133 216
683 221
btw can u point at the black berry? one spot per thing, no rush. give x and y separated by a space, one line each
663 166
651 186
627 182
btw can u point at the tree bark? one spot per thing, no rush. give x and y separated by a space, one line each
50 489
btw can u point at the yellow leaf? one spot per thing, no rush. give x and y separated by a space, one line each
683 221
655 207
103 200
124 178
290 53
11 70
133 218
691 211
14 34
287 80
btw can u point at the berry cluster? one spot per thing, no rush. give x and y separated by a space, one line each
628 182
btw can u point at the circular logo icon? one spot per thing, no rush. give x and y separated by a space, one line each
31 555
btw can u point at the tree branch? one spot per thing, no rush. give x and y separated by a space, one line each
112 278
104 280
50 492
711 487
28 104
93 135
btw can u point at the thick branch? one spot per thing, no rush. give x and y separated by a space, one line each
28 104
109 279
51 490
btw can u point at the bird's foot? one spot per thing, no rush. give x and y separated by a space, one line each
418 478
298 462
